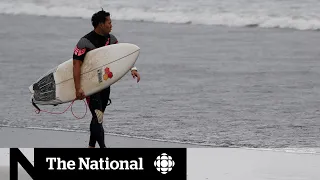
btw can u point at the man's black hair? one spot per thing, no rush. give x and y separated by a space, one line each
99 17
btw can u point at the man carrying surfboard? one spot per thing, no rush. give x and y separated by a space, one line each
98 37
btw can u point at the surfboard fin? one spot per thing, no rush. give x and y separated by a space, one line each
34 104
109 102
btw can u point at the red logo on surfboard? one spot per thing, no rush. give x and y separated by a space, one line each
107 74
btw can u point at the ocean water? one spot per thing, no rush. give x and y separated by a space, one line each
230 74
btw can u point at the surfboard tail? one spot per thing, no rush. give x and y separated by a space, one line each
31 89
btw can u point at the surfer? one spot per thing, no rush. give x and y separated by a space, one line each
98 102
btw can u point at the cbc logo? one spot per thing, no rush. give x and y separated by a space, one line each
164 163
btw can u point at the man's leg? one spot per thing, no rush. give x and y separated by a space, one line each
96 128
105 95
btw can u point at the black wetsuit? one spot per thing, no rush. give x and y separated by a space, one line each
99 101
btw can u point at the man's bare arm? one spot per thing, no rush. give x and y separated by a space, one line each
76 76
76 73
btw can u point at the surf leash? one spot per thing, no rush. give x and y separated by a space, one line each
39 110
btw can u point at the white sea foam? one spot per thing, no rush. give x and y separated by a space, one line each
252 13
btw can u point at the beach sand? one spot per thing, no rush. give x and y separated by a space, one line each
204 163
250 164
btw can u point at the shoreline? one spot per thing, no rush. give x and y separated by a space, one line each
30 138
123 141
112 134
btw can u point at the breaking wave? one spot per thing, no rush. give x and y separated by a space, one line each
187 12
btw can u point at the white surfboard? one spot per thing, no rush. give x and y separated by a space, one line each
101 68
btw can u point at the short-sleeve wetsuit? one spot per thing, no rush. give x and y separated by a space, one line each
99 101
